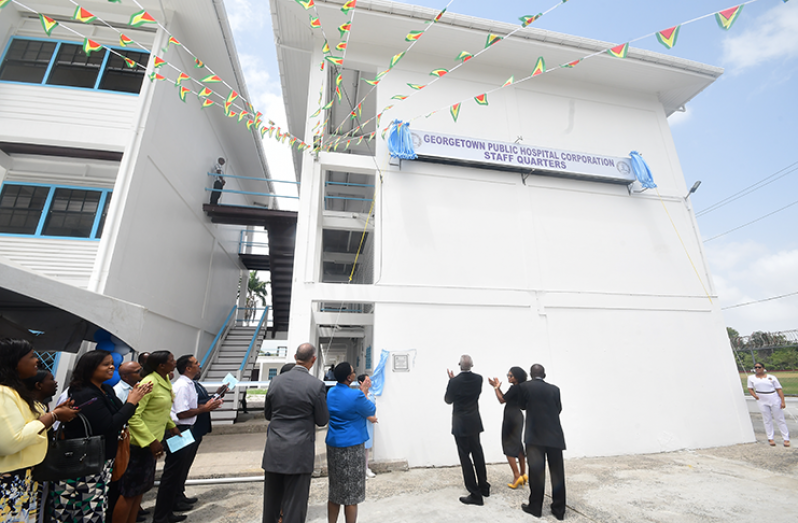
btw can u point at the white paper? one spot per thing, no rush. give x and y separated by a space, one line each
176 443
230 381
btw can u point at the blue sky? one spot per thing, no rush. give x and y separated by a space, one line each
740 131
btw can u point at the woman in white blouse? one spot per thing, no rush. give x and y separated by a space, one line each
766 389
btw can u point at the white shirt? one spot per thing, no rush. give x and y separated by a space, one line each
185 399
766 385
122 389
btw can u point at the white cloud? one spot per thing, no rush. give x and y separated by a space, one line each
680 117
246 15
773 37
745 272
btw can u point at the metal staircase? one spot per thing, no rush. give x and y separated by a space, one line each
234 351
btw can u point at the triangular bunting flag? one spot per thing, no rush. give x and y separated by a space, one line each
348 6
329 104
509 81
172 40
211 79
727 17
155 76
130 63
325 48
232 114
526 20
183 92
315 23
482 99
207 103
140 18
47 23
242 115
371 82
344 28
158 62
416 87
398 97
439 72
307 4
338 93
438 17
337 60
4 3
464 56
619 51
124 41
90 46
492 39
540 67
204 92
341 46
314 115
571 65
230 97
198 64
82 15
455 111
181 77
395 59
413 36
339 79
667 37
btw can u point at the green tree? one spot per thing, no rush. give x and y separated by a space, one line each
256 292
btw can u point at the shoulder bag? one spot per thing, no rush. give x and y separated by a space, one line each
72 458
122 455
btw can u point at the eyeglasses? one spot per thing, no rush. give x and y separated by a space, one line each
758 367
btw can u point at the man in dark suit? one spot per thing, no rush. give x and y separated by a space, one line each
294 403
544 439
463 393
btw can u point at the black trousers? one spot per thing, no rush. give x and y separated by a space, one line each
536 462
288 492
469 447
180 493
215 195
175 468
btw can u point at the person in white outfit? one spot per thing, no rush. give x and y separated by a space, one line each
766 389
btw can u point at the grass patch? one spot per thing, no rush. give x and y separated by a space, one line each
261 392
787 378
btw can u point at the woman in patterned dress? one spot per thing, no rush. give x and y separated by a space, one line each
23 440
85 500
346 435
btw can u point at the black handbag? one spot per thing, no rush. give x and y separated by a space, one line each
72 458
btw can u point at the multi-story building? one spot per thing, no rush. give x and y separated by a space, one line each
517 235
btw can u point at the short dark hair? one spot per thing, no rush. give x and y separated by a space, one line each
362 378
287 367
84 369
342 371
143 358
537 371
518 373
38 378
154 360
11 352
182 363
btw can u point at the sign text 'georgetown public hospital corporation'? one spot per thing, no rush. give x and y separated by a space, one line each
521 157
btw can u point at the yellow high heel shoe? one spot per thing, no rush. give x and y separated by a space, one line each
526 478
519 481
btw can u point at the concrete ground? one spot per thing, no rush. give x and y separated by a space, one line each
742 483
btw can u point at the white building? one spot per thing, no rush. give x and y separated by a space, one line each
608 289
104 175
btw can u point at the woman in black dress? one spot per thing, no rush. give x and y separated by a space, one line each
513 424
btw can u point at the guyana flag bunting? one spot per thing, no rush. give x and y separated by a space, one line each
455 111
413 36
242 115
172 40
438 17
329 104
509 81
395 59
230 97
482 99
315 23
571 65
307 4
90 46
325 48
337 60
526 20
492 39
371 82
183 91
727 17
619 51
250 123
205 92
4 3
82 15
416 87
48 24
398 97
140 18
155 76
263 132
540 67
341 46
439 72
348 6
207 103
464 56
181 77
667 37
318 112
339 79
211 79
158 62
344 28
130 63
381 74
124 41
338 93
198 64
232 114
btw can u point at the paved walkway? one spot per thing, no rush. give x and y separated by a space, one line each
741 484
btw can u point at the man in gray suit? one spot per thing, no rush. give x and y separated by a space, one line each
294 403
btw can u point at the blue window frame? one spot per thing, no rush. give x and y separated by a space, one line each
53 211
60 63
272 374
368 357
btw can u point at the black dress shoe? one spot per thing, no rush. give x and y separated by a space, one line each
485 493
472 500
140 517
182 506
526 508
174 518
143 512
190 501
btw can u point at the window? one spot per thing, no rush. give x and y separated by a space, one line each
42 210
49 62
272 374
